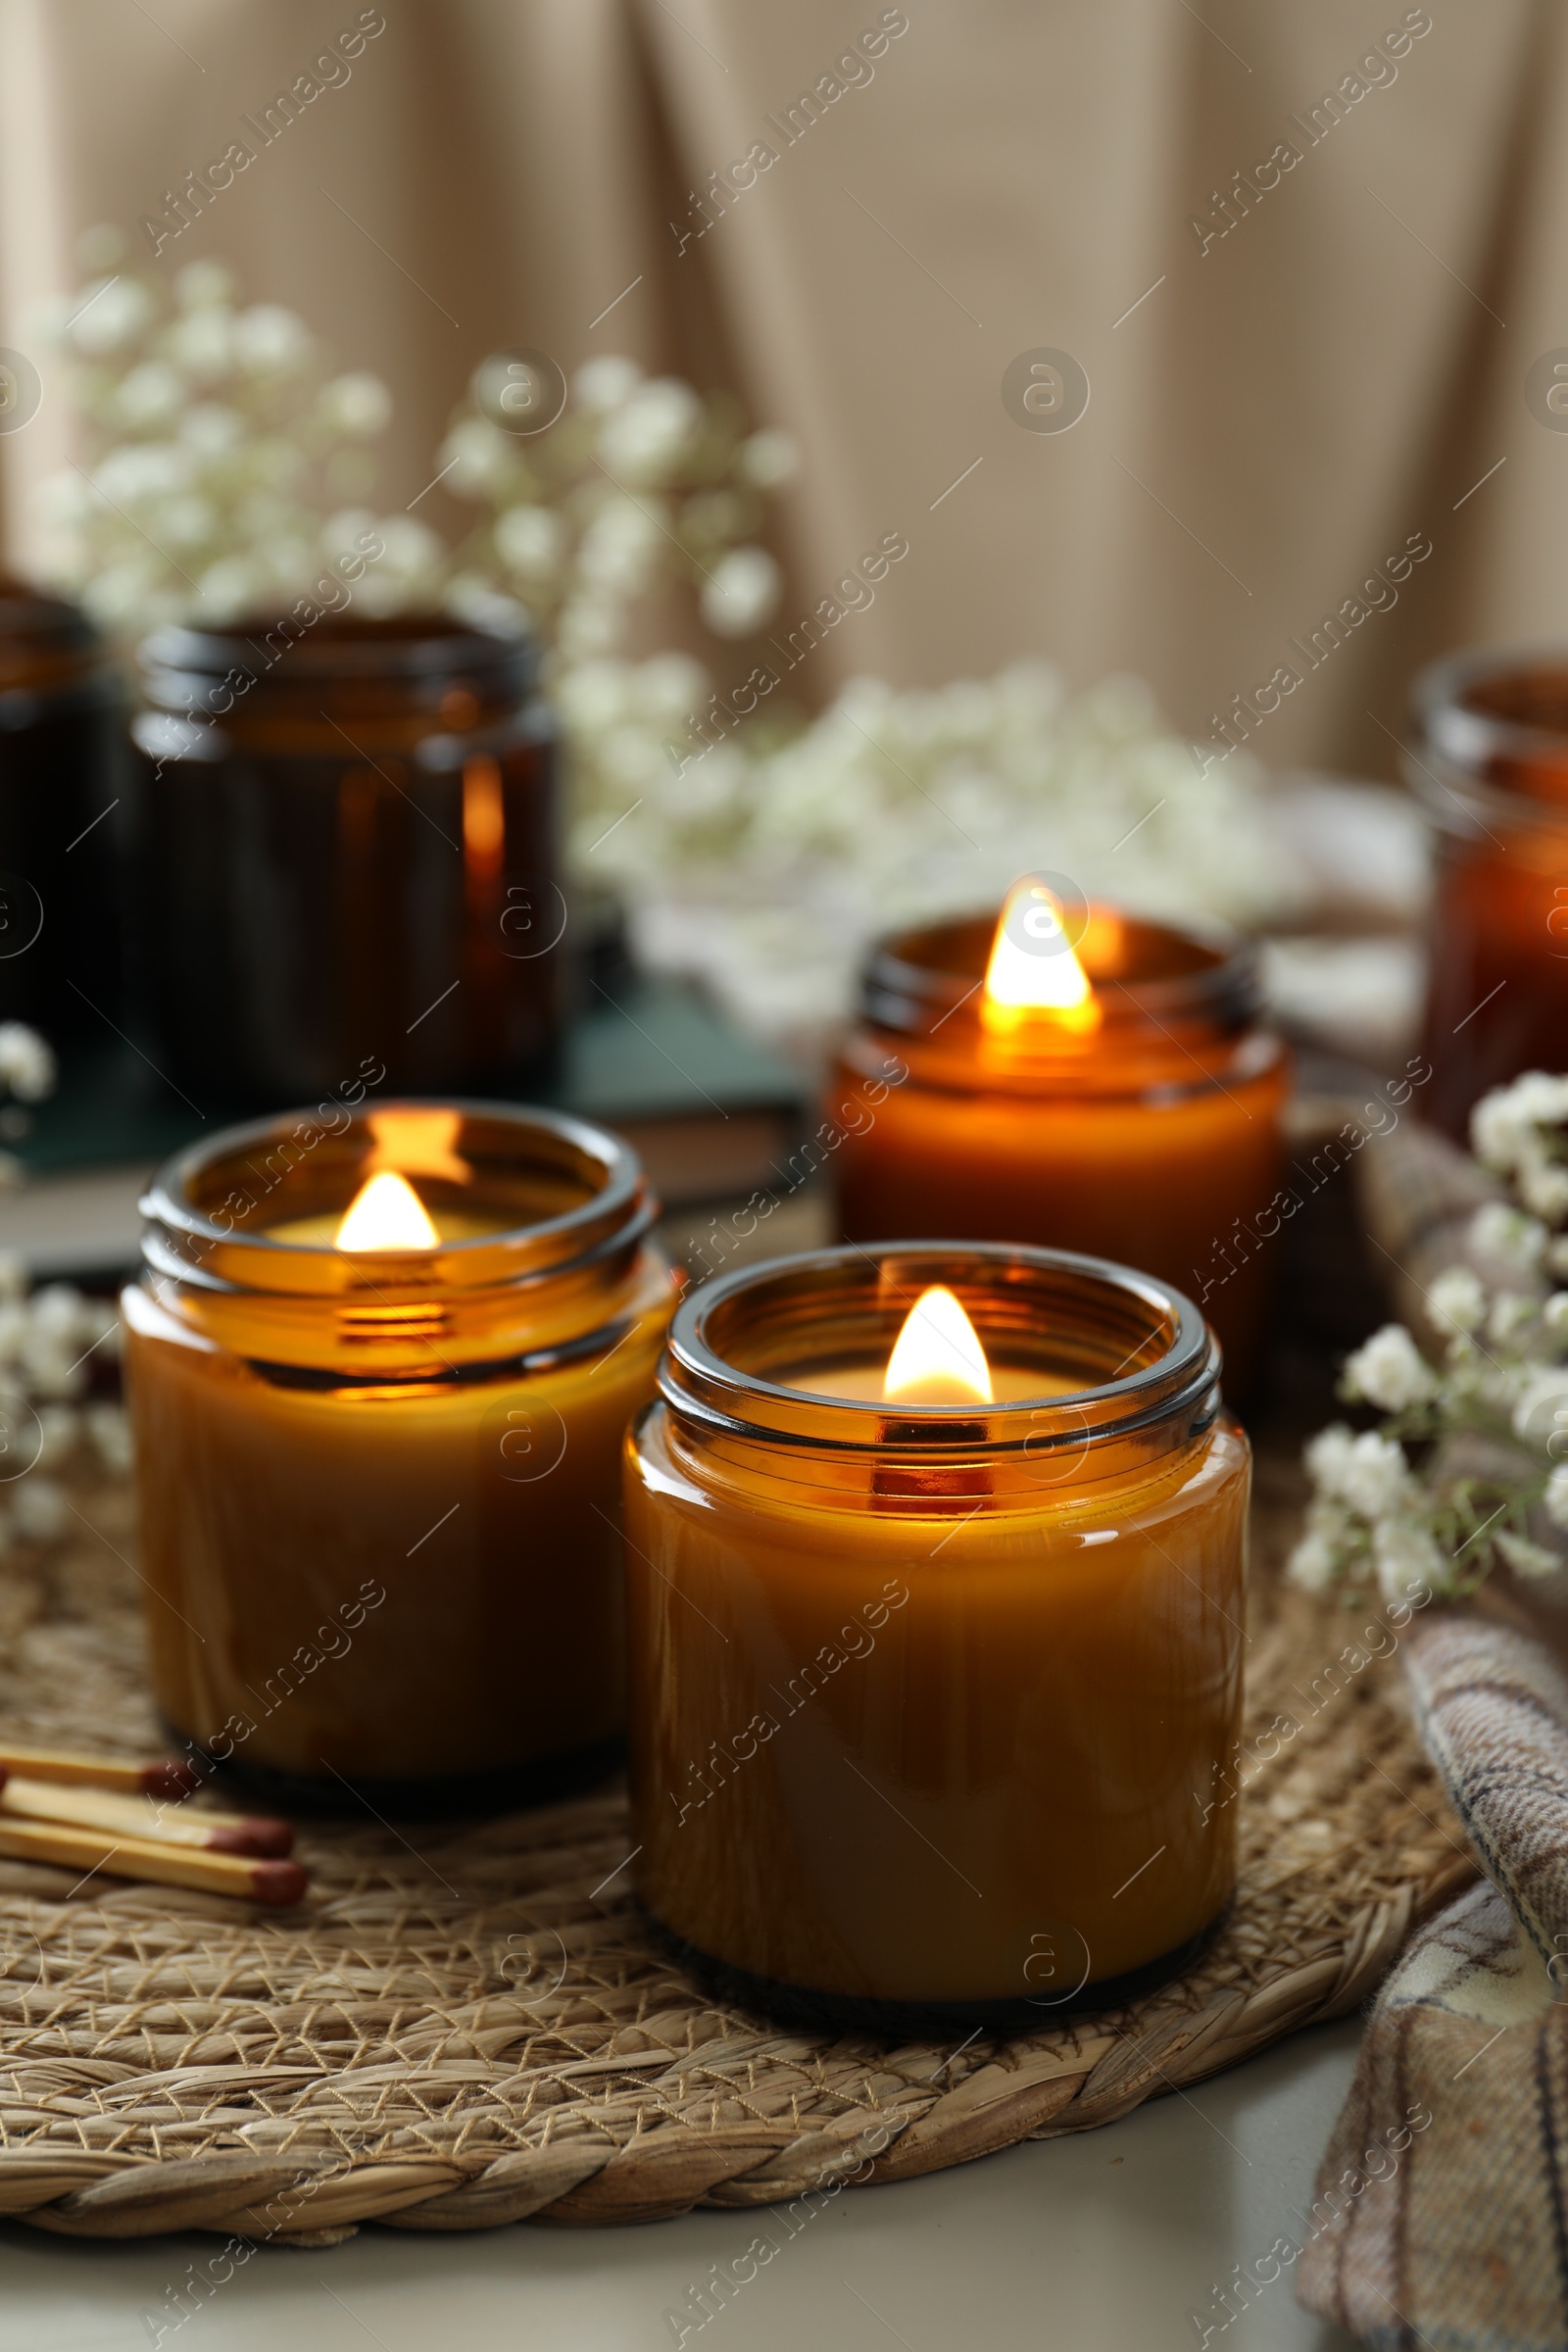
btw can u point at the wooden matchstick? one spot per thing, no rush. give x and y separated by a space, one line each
158 1778
133 1817
165 1865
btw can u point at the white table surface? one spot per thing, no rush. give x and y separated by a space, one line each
1102 2241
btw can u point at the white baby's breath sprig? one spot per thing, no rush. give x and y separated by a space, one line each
218 443
50 1341
1469 1468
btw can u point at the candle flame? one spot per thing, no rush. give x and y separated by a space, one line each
937 1357
1033 975
386 1213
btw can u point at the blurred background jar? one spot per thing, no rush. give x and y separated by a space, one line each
62 723
1490 766
344 844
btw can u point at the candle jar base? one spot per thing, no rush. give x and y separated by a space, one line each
436 1797
801 2006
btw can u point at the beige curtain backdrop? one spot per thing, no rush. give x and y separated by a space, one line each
1272 414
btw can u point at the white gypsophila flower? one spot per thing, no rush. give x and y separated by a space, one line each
210 429
1543 1186
141 474
13 1281
767 458
1510 1316
38 1509
621 546
604 384
189 522
109 1428
59 1429
59 1308
343 533
150 396
204 285
359 405
1456 1299
1316 1561
1508 1238
1503 1124
1556 1498
663 689
1407 1559
1525 1558
111 316
408 568
270 340
642 442
1541 1408
588 625
1390 1371
27 1065
201 344
593 697
740 593
228 587
121 592
531 542
477 458
1367 1472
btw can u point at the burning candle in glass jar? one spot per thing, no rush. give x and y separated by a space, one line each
380 1368
936 1564
1492 771
1072 1076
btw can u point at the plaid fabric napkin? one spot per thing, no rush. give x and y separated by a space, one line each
1441 2210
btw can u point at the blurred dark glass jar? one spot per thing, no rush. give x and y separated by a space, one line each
1490 769
62 757
345 856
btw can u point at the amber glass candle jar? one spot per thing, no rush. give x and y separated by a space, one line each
1151 1137
378 1487
346 854
62 726
930 1702
1490 769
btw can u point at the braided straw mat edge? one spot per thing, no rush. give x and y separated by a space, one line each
481 2031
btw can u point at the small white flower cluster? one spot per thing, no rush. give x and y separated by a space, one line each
765 864
639 480
28 1067
1499 1399
1518 1133
222 453
49 1341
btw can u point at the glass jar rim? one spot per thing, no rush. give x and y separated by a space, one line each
905 987
1474 763
1465 732
1175 1382
182 1238
406 649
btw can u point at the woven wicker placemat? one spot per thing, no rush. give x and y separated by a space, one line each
471 2026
